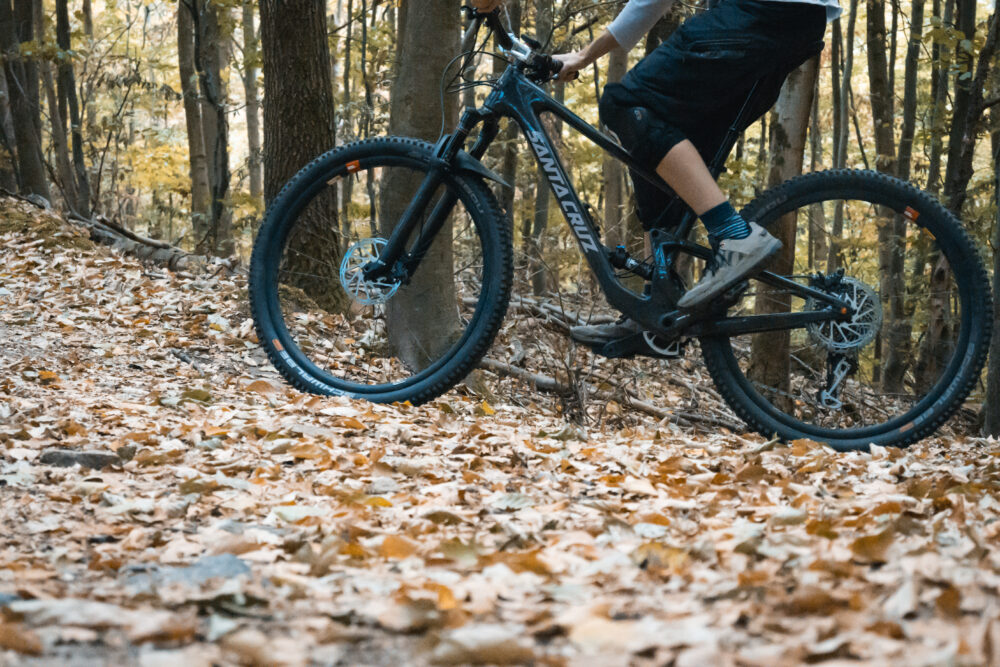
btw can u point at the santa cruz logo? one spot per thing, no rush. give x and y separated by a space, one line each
563 193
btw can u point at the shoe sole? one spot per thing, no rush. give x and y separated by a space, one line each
754 269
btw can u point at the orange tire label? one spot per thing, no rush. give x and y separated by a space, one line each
353 166
911 213
277 345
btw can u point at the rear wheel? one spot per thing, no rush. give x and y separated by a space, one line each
327 328
916 345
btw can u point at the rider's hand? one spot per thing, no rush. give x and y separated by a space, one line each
572 64
485 5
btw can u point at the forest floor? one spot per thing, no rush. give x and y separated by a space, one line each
165 499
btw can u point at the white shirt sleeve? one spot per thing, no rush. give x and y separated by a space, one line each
638 18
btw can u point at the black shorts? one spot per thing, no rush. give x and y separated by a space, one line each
695 83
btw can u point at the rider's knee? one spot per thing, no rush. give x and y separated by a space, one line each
646 136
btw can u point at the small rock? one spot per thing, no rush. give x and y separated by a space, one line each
67 458
223 566
127 452
7 598
483 644
382 485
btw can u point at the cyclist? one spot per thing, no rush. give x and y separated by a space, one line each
672 110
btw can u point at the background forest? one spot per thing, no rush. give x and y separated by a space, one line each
174 123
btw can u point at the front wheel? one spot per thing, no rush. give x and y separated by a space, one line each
916 344
327 328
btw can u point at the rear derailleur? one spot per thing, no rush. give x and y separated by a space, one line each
838 368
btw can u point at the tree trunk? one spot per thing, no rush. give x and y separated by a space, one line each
57 120
8 156
88 19
816 238
197 162
991 406
968 108
899 327
509 136
789 125
68 97
24 21
614 176
881 95
251 68
209 62
298 126
31 169
843 132
422 319
347 184
543 198
941 63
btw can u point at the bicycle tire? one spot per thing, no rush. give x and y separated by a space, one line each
490 224
959 378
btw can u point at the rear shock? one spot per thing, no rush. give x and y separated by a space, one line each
621 259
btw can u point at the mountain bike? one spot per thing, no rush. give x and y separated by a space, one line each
874 332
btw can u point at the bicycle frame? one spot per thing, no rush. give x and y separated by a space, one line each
516 97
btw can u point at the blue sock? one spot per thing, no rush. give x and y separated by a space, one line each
723 222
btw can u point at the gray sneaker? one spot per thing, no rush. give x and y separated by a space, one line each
734 260
600 334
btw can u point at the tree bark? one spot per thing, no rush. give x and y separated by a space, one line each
968 108
881 95
209 61
614 175
57 120
843 132
251 68
899 328
537 272
67 93
31 169
8 156
422 318
991 406
197 161
298 126
789 125
509 136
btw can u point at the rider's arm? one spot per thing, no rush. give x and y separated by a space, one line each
638 18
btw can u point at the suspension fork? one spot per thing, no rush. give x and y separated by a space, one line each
394 261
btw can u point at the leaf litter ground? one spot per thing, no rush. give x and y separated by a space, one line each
167 500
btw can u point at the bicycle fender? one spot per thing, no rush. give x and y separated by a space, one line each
468 164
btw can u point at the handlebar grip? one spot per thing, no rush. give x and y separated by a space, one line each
555 66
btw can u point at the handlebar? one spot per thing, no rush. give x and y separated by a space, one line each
540 67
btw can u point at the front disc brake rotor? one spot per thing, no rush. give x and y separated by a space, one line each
352 276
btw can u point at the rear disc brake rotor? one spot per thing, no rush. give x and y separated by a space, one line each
863 326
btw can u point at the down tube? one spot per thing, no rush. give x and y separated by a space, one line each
572 208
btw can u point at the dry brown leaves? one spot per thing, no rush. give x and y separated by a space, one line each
225 518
